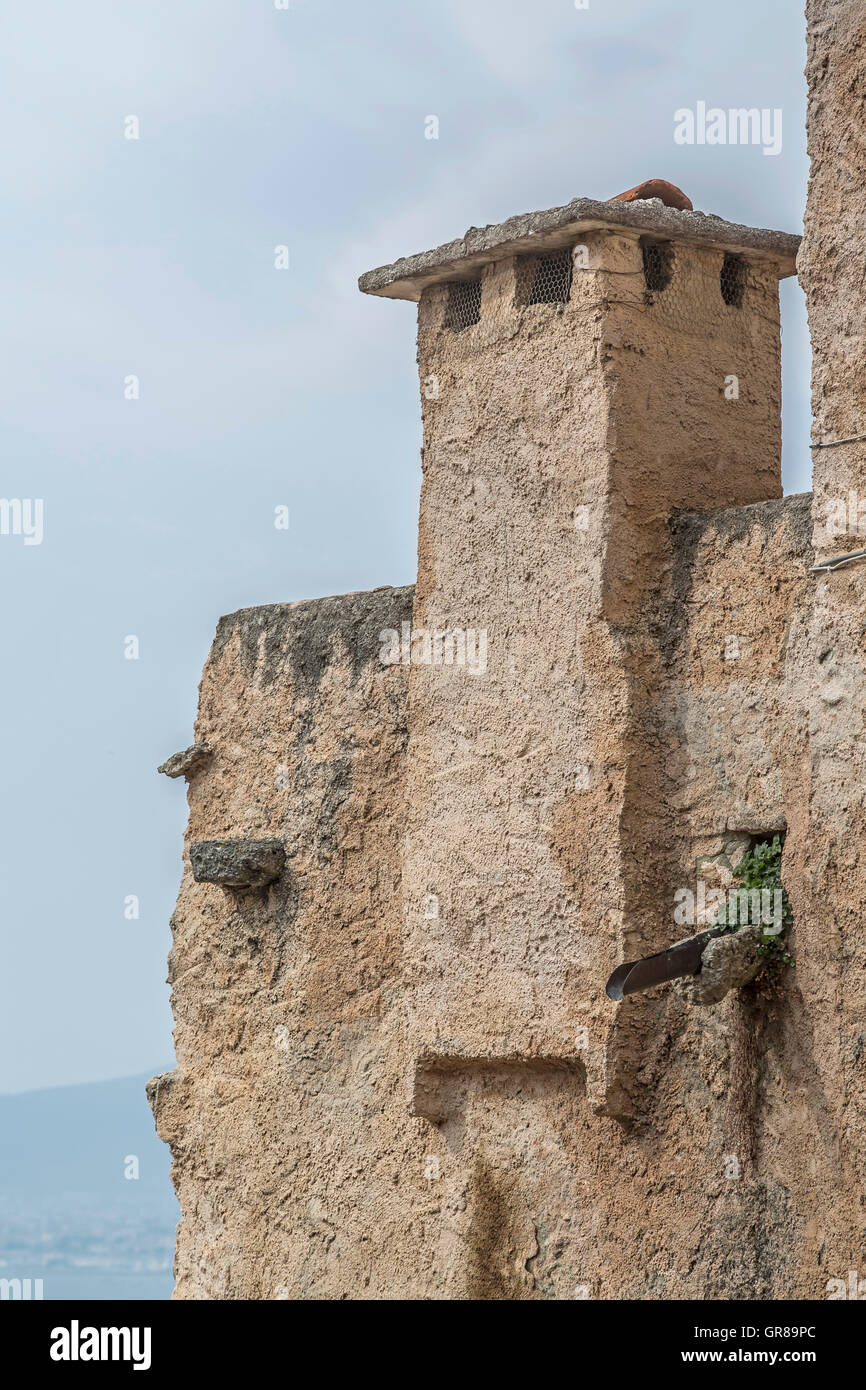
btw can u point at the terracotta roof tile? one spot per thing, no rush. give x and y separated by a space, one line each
670 195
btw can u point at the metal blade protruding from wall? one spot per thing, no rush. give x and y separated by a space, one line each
682 959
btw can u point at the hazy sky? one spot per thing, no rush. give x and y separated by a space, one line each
259 387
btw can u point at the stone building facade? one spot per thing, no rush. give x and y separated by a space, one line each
427 823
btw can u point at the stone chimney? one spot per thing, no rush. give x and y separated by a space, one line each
585 372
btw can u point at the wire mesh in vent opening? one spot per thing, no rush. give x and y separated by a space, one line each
464 304
732 279
544 279
658 264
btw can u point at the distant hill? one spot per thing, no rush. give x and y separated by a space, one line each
74 1140
68 1214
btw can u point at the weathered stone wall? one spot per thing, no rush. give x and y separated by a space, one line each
537 792
832 882
737 622
398 1074
300 1168
515 441
293 1152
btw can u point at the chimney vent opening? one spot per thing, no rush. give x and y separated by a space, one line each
658 264
464 304
732 279
544 279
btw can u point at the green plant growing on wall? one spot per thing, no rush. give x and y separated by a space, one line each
760 870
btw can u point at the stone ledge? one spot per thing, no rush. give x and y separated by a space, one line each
558 227
237 863
303 637
185 763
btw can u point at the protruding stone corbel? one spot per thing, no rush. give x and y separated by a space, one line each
237 863
728 962
185 763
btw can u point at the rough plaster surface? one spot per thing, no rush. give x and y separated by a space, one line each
297 1168
832 880
743 752
301 1168
538 794
398 1075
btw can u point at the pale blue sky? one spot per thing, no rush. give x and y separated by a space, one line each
259 387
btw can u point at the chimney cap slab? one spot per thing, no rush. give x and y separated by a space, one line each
558 227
